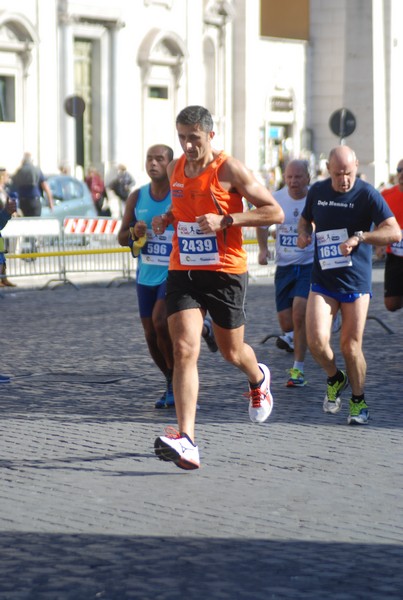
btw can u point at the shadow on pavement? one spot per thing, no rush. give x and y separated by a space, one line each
86 567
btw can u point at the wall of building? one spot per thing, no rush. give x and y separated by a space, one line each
28 57
153 57
354 52
148 61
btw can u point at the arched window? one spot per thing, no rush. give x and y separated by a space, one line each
17 38
161 56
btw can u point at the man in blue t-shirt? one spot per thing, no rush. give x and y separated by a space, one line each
343 210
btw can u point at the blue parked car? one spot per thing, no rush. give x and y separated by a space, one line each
71 198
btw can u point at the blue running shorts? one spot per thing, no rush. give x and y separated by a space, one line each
291 281
339 296
147 296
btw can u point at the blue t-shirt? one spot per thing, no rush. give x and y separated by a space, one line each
153 260
336 217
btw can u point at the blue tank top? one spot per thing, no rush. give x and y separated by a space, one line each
153 260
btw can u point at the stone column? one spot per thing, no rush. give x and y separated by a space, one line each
115 66
66 86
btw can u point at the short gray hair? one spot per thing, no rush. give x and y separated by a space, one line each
196 115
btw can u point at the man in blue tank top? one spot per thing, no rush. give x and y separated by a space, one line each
152 252
343 210
153 258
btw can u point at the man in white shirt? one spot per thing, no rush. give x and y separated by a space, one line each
293 269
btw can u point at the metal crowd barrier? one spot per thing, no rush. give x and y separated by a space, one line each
43 247
255 270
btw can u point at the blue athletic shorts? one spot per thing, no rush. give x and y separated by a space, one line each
147 296
291 281
340 297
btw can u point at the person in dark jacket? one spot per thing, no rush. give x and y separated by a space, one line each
29 183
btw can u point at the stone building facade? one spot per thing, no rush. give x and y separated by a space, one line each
136 63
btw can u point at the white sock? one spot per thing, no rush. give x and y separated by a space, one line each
299 366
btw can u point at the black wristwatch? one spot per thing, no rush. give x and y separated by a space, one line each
226 221
360 236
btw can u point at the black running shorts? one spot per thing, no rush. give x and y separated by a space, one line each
221 294
393 276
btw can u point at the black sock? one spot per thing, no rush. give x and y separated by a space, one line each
254 386
336 378
359 398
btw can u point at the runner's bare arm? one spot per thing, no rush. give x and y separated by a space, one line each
160 222
387 232
304 233
127 219
235 177
262 234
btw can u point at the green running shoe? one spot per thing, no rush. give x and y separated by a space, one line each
332 401
359 413
296 379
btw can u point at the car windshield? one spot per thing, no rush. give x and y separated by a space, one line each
55 187
66 188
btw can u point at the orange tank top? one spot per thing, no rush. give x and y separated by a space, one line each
195 196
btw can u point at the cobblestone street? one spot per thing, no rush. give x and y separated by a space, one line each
301 507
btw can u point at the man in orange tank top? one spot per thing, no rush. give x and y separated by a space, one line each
208 272
393 282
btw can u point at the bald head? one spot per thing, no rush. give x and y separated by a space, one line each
342 166
296 176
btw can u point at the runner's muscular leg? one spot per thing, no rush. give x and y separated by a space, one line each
319 316
285 319
152 343
234 349
393 303
354 316
160 324
185 330
298 316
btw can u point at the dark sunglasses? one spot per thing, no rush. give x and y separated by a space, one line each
399 169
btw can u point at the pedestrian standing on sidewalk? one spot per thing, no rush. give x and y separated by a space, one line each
293 267
153 253
29 183
121 185
4 190
343 210
208 272
96 185
5 215
393 282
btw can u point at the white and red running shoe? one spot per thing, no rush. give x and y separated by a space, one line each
260 399
178 449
